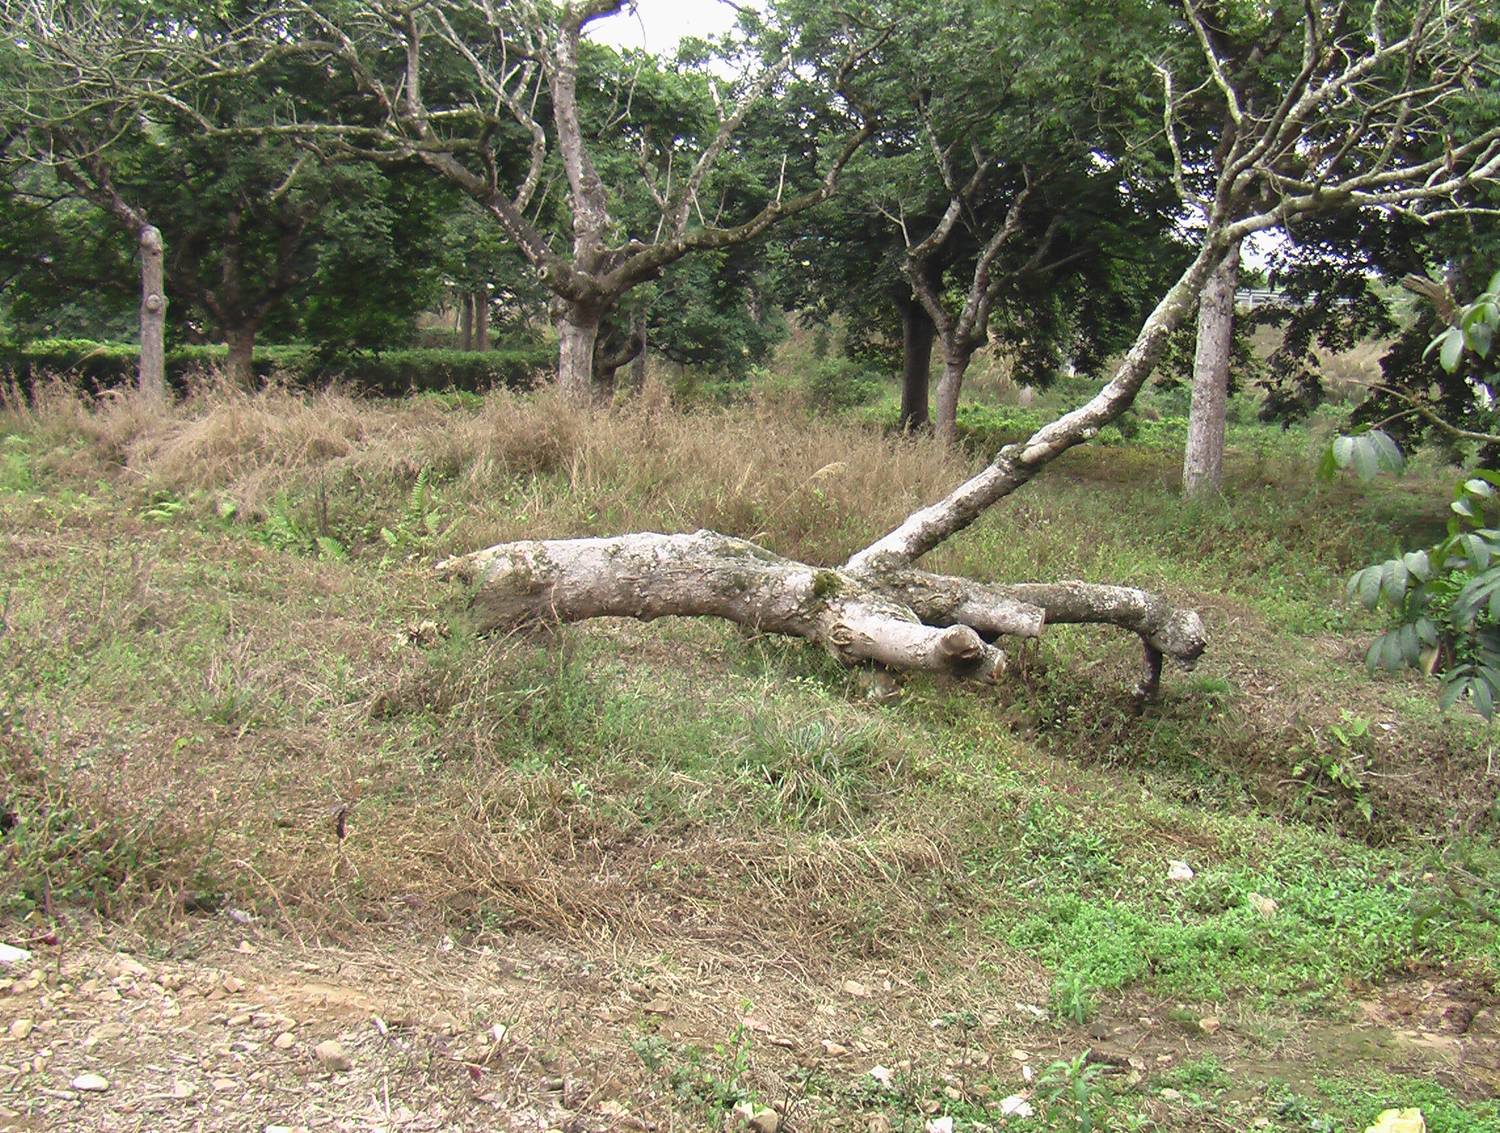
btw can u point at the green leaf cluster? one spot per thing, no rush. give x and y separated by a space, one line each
1446 598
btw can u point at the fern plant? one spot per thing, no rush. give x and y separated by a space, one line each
421 524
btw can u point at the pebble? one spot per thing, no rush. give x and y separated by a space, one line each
90 1083
181 1090
285 1041
331 1054
21 1028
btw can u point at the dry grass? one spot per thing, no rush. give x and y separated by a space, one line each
512 465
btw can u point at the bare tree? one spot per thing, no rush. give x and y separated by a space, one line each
1342 132
58 59
500 133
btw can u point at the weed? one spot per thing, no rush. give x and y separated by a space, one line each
1071 999
1073 1094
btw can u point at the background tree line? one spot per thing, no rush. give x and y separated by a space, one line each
939 179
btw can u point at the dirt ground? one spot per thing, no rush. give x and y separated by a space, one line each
524 1034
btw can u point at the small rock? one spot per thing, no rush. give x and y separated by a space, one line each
285 1041
233 984
1021 1055
247 948
331 1054
1179 871
9 954
940 1125
1209 1024
225 1085
856 989
1015 1106
883 1075
1265 906
21 1028
1170 1095
104 1032
657 1006
239 1020
833 1049
122 965
181 1090
91 1083
764 1121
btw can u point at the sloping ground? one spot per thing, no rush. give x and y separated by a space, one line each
683 869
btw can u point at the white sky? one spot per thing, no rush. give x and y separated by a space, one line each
657 25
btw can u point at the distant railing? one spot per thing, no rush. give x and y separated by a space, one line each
1250 298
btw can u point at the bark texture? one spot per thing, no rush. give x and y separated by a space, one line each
1203 458
917 333
577 334
706 574
153 362
240 361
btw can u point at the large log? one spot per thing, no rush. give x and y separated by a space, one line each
706 574
901 619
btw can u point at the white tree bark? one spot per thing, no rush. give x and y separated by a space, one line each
1203 458
152 378
706 574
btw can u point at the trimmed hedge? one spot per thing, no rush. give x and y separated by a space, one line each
98 366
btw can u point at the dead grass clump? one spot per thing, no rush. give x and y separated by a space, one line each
517 465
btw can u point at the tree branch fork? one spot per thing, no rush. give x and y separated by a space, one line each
900 619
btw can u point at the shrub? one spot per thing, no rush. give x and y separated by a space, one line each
97 366
840 383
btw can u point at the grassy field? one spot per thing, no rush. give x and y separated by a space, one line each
243 728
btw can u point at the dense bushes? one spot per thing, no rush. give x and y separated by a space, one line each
104 365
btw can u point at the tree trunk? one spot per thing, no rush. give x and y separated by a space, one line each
465 321
901 619
917 331
955 364
577 332
638 363
152 377
482 319
1203 459
239 364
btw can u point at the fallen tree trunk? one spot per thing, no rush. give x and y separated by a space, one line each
901 619
876 608
706 574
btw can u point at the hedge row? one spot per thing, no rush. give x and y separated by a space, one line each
99 366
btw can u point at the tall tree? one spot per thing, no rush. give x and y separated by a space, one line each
54 119
1332 138
489 96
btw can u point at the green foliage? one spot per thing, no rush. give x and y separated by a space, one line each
60 848
391 373
420 524
1444 599
840 383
